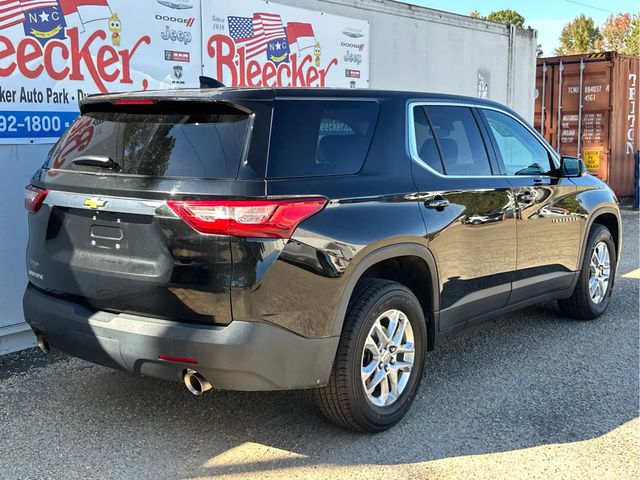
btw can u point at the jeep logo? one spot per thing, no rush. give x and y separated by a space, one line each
188 22
179 36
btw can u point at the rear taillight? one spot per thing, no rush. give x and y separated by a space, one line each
251 218
33 198
134 101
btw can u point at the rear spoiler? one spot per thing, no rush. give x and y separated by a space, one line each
205 83
210 91
151 104
208 82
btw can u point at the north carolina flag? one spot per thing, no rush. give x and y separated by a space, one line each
79 12
301 35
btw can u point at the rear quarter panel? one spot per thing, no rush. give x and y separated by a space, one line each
299 284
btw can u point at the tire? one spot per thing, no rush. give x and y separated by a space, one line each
344 400
581 305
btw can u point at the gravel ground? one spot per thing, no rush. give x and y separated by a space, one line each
525 395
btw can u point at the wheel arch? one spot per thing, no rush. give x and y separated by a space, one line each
612 222
609 217
416 264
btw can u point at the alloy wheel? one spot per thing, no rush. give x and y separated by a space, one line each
599 271
387 358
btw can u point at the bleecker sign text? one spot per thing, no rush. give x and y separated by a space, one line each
301 72
254 43
31 59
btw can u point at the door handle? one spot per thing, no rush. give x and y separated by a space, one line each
438 203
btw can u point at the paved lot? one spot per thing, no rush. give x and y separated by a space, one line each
525 395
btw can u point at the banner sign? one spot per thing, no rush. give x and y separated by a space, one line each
254 43
55 52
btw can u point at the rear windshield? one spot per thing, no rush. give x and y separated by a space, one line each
320 137
154 144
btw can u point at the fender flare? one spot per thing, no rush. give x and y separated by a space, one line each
406 249
596 213
583 241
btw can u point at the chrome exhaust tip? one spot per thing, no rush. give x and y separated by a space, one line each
43 344
195 382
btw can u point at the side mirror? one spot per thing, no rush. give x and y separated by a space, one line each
572 167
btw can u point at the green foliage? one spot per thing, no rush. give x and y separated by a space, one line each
619 33
580 36
508 17
632 45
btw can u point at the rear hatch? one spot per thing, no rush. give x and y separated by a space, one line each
102 231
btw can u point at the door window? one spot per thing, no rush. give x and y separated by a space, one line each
448 140
521 152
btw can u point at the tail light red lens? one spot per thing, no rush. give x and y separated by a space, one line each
33 198
251 218
134 101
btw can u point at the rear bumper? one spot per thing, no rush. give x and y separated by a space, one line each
239 356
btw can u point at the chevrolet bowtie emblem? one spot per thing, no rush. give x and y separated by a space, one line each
94 203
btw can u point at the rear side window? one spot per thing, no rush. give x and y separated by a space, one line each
426 142
453 133
325 137
201 145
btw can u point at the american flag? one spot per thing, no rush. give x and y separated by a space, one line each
12 11
255 33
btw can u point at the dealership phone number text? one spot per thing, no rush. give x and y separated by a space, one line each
34 124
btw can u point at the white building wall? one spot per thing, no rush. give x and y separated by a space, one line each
17 164
413 48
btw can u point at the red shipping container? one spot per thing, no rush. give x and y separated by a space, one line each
587 105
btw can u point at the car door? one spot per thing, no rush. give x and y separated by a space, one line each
548 216
468 211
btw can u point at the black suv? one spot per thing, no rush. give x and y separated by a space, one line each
262 239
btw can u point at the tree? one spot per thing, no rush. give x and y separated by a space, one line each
508 17
633 42
579 36
539 51
615 32
621 33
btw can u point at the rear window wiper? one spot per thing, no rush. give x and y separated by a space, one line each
97 161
